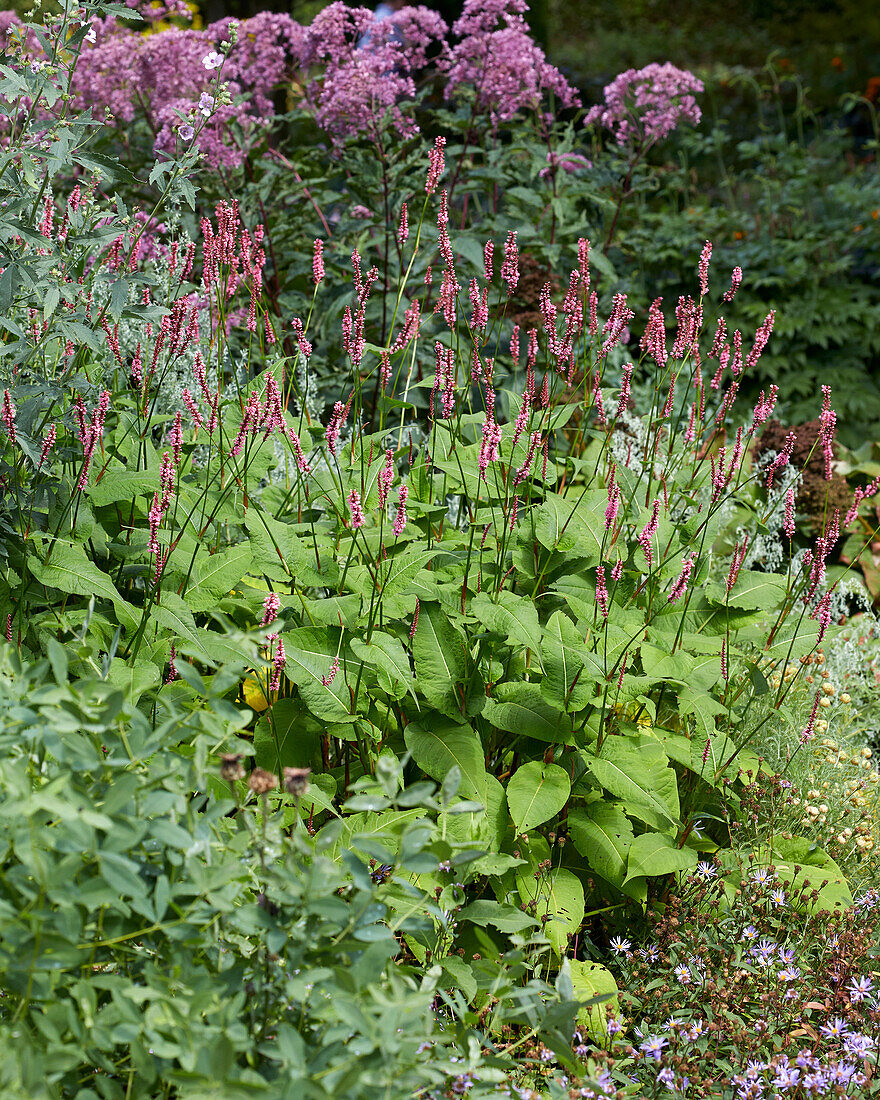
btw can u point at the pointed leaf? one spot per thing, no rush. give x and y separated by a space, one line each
535 793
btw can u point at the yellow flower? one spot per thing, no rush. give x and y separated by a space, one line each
254 692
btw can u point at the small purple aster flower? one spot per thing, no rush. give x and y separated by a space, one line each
859 990
620 946
653 1046
836 1029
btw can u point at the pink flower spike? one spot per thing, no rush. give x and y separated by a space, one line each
436 164
705 256
48 444
400 518
680 586
617 570
602 592
8 416
488 251
510 267
271 604
646 538
331 676
386 476
788 522
403 228
278 662
356 510
318 262
736 278
808 732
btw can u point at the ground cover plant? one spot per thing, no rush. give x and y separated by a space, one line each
378 672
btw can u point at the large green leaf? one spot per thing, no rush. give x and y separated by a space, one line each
602 833
386 654
513 617
569 527
446 745
310 656
440 660
753 591
216 575
591 980
559 895
566 683
69 570
653 854
635 769
123 484
535 793
521 708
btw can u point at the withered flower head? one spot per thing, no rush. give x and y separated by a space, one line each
262 781
296 781
230 767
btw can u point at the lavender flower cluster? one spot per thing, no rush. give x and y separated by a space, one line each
646 105
355 74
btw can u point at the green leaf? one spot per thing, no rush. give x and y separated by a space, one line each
559 895
116 485
513 617
444 746
520 707
439 656
506 918
217 575
386 653
634 768
69 570
566 682
654 854
310 656
602 833
568 527
536 792
591 980
134 679
753 591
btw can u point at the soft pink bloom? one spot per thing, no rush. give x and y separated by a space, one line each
788 522
356 509
705 256
645 539
331 676
318 261
400 518
488 250
808 732
624 391
680 586
48 444
646 105
8 415
735 280
436 165
601 592
739 554
403 227
271 605
301 462
385 477
334 426
510 267
279 660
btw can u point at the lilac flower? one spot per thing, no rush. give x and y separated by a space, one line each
497 58
706 870
858 1046
206 104
682 974
212 60
653 1046
666 1077
859 989
789 974
646 105
835 1029
786 1078
750 933
186 132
